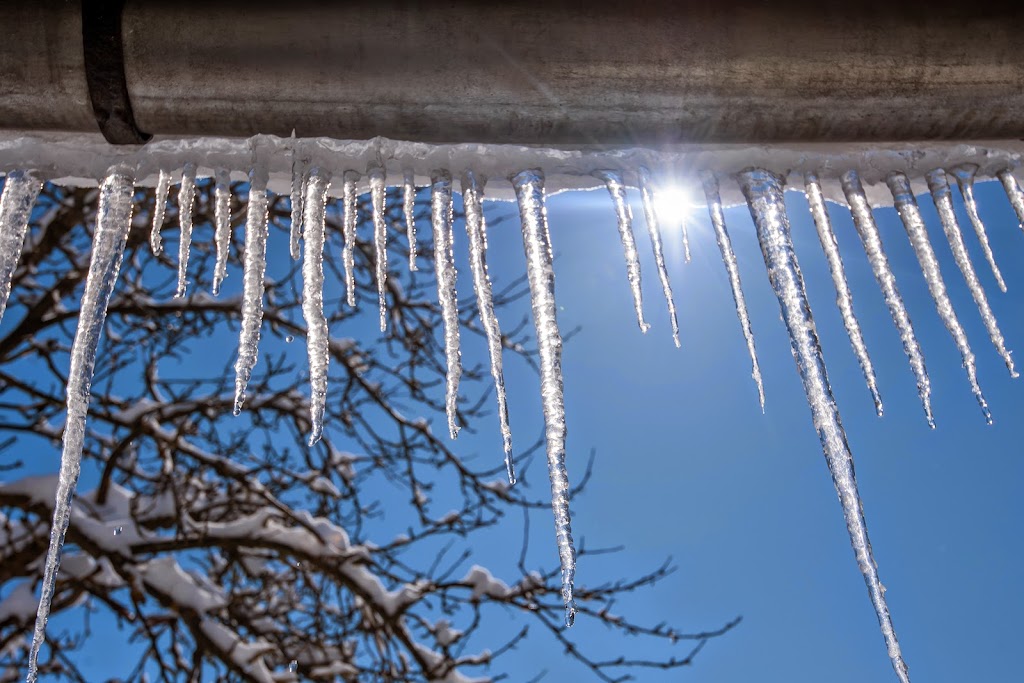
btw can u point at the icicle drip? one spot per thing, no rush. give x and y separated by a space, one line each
409 209
872 241
163 188
298 193
616 188
444 267
941 195
844 298
476 230
113 221
349 203
965 180
378 198
529 187
313 232
19 196
252 285
763 192
651 216
222 236
686 242
1014 194
906 206
732 268
186 197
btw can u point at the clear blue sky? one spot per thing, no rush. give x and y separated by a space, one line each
688 466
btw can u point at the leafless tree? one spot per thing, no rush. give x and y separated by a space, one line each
221 548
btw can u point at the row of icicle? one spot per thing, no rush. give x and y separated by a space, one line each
762 190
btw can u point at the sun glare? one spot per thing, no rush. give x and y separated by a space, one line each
673 204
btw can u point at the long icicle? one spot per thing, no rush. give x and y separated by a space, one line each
445 273
872 241
529 187
297 195
624 215
349 203
409 209
186 197
906 207
476 231
222 217
113 221
163 188
378 198
254 270
714 202
313 233
1014 194
763 192
844 298
20 192
653 229
941 195
964 175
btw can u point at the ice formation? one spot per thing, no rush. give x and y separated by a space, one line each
317 341
714 201
651 216
1014 194
624 216
409 212
113 221
186 198
254 269
768 209
222 219
298 191
163 188
350 199
444 271
19 196
378 200
964 175
844 298
872 241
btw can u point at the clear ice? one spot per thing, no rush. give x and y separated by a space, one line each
872 241
763 192
653 229
317 342
844 298
529 187
254 269
476 231
163 188
445 273
19 196
378 199
409 210
624 215
906 207
186 198
1014 194
964 175
113 221
297 195
222 218
941 195
350 201
714 201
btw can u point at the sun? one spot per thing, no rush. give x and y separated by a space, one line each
673 204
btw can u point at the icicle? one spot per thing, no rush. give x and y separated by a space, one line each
1014 194
476 230
20 192
298 192
906 206
965 180
732 268
444 272
317 343
872 241
163 187
252 284
409 209
349 202
378 198
763 192
113 221
186 196
529 187
686 242
844 298
222 236
941 195
651 216
613 181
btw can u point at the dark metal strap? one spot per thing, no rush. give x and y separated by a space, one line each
104 72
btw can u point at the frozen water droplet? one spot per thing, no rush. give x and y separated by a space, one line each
293 666
289 339
118 530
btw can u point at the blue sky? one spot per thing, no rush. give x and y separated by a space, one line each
688 466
